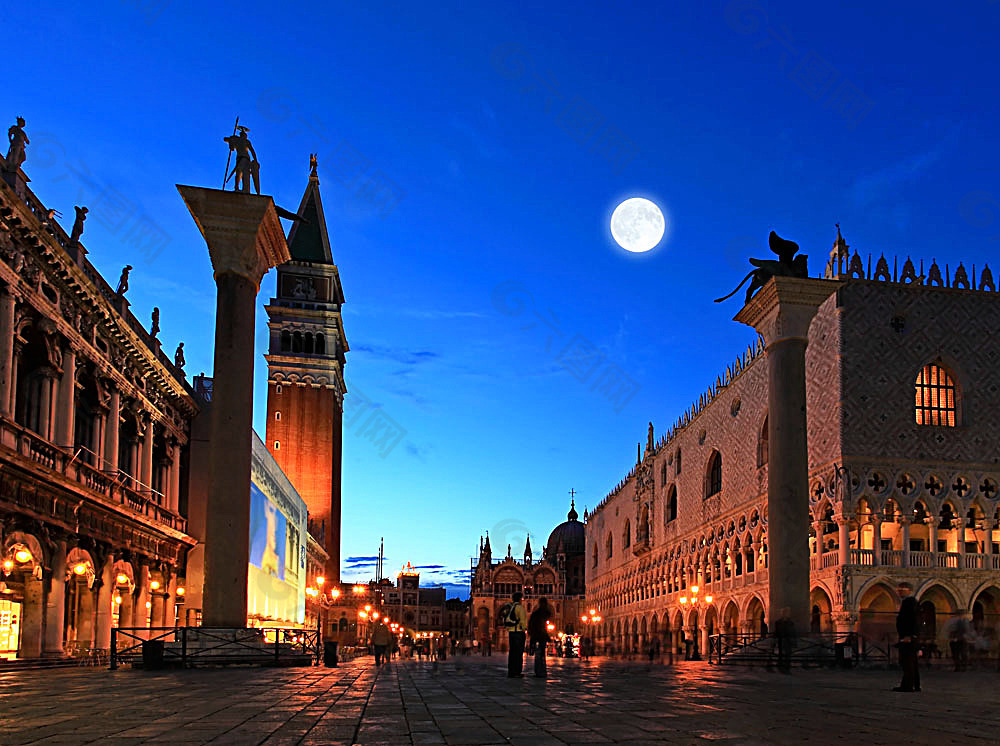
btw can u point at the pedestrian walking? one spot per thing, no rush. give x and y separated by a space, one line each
907 627
959 634
538 629
784 632
515 621
381 640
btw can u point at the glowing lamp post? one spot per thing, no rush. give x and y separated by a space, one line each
693 600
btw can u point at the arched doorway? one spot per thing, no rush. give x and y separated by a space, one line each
936 605
692 637
877 614
731 620
986 615
820 608
755 621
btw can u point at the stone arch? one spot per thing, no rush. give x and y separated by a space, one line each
877 607
937 602
754 615
820 611
713 474
320 344
985 607
731 618
18 540
285 341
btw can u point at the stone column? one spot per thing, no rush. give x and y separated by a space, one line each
959 524
146 458
55 602
7 301
876 540
66 406
111 425
988 541
85 620
45 405
844 539
932 537
245 239
32 612
140 614
174 480
818 530
169 605
904 525
125 610
781 312
158 601
105 592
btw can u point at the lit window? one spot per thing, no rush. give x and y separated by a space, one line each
277 389
277 445
277 416
936 397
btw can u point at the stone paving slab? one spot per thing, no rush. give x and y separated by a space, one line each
471 701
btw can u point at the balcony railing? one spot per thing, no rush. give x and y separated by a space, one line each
892 557
863 557
111 486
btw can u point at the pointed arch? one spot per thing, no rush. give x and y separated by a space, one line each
713 474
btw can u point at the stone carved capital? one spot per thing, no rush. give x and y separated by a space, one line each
242 231
785 306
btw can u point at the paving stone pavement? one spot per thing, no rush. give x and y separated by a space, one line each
470 701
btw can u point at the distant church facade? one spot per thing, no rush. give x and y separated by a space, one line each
903 394
559 576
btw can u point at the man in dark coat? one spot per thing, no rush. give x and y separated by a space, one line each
908 628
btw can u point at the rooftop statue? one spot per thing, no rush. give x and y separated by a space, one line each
123 280
18 141
154 327
179 360
247 166
81 215
787 265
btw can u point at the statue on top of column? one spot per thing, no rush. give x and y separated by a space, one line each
123 280
18 140
154 327
787 265
247 167
81 215
649 438
179 360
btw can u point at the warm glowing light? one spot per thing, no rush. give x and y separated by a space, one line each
694 589
8 565
335 593
374 615
154 584
363 614
180 591
593 611
118 599
385 619
79 568
708 599
320 580
122 579
683 599
550 626
22 556
583 618
359 589
149 605
368 607
597 618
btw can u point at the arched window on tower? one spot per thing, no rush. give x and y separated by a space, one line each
286 341
671 511
297 342
713 476
762 445
610 548
320 345
936 401
308 347
627 535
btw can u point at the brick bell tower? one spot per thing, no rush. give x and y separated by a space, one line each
305 366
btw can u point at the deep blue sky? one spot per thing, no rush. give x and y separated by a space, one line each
486 128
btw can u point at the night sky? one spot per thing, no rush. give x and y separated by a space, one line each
470 158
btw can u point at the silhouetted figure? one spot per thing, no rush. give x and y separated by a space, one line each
81 215
154 327
784 631
123 280
381 640
538 629
908 628
18 140
959 632
245 168
787 265
179 360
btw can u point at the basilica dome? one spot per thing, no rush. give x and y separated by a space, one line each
567 538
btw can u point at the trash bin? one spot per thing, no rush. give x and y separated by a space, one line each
152 654
330 653
844 653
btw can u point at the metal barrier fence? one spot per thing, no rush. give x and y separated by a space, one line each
847 649
210 646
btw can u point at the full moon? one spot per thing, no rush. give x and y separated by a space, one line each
637 225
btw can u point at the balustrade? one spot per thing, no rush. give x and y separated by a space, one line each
34 448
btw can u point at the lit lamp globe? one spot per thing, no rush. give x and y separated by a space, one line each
637 225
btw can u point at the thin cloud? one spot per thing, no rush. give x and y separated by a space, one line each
406 357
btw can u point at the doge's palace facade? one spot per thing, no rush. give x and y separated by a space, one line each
903 392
